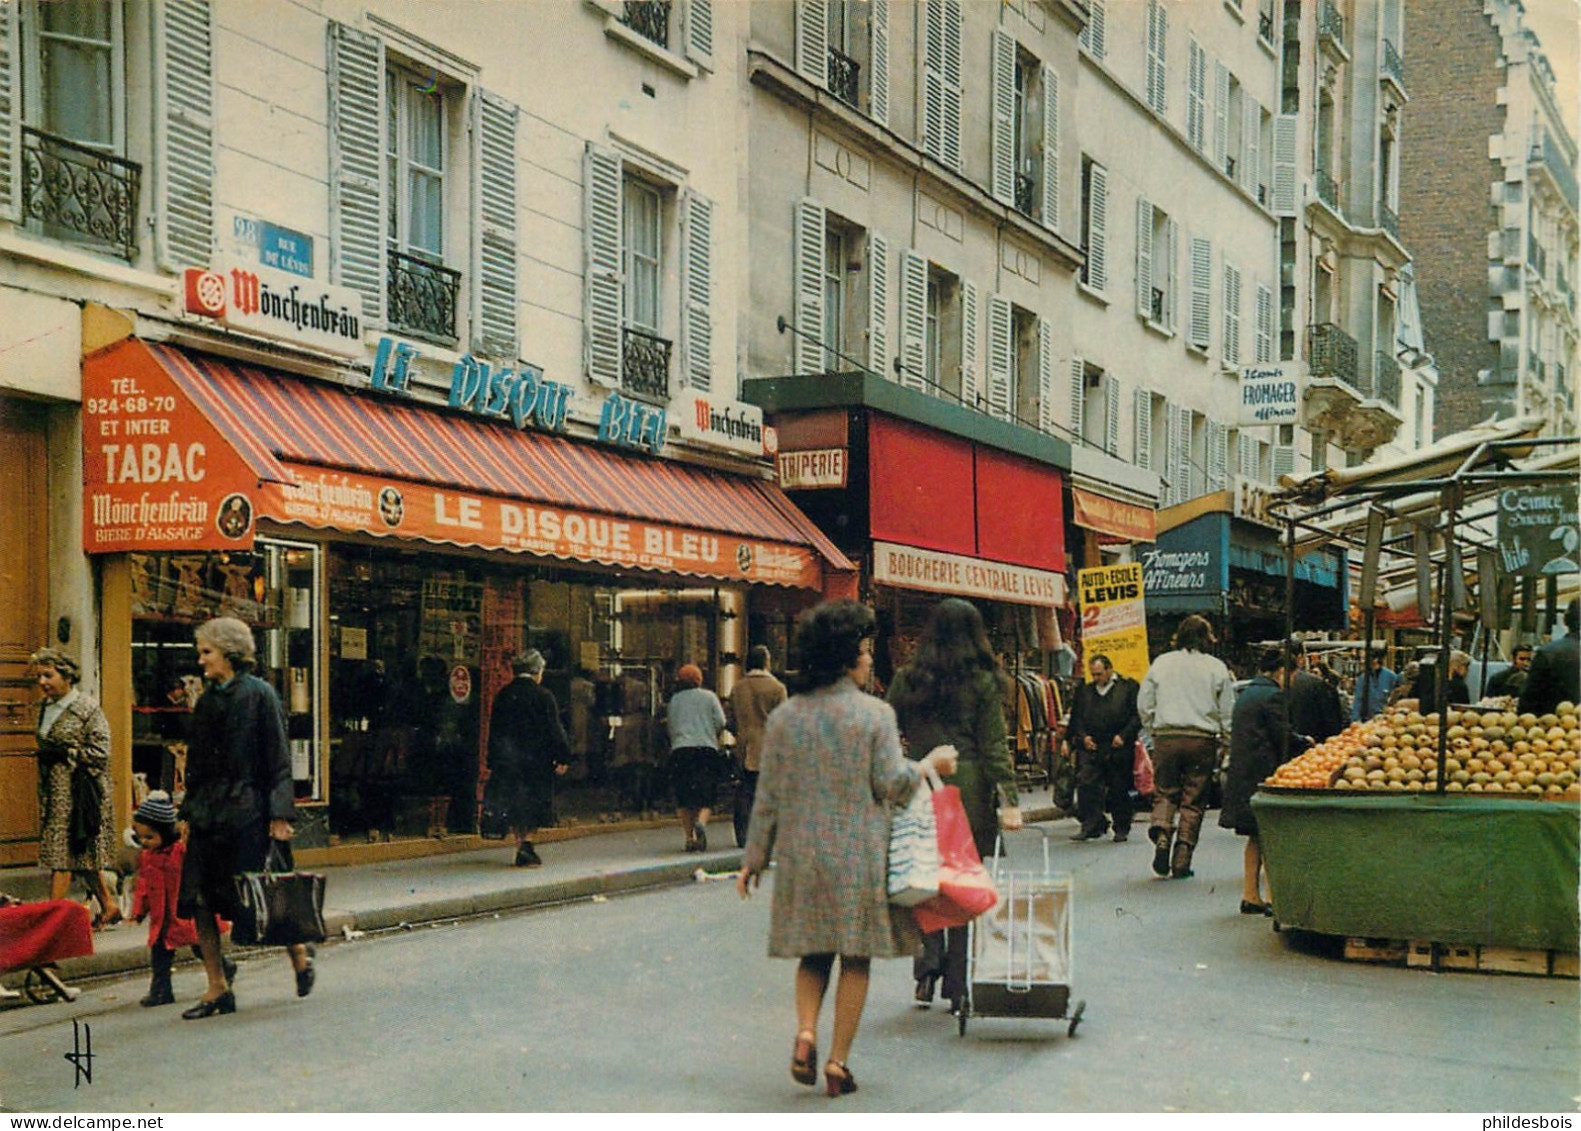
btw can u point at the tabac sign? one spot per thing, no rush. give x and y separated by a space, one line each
274 304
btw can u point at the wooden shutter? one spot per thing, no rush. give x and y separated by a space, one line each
1286 197
1092 33
1284 460
186 104
971 377
697 290
1097 222
1142 428
878 305
1001 347
1196 95
1232 315
1111 415
932 116
812 44
807 352
1002 70
1251 144
10 111
602 245
878 73
914 319
1265 325
1221 114
357 165
1201 327
1144 258
951 141
700 33
1180 454
495 222
1078 400
1218 456
1157 54
1249 457
1171 259
1045 375
1051 163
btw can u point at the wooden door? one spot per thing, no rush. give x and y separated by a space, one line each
24 604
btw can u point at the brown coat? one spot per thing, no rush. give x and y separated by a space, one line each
80 736
751 700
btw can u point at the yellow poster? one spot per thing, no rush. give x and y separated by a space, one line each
1113 621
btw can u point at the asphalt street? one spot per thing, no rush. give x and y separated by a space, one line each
664 1001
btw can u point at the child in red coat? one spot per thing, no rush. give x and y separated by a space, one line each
154 898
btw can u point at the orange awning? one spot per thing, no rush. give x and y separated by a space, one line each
169 433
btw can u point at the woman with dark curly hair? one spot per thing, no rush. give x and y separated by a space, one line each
953 694
831 771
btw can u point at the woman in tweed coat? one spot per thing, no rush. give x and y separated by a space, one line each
73 733
831 770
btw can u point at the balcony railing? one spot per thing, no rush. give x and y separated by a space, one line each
644 365
1331 25
649 19
1327 188
70 188
1393 65
1547 152
1386 379
1331 353
1026 193
1388 219
844 77
422 297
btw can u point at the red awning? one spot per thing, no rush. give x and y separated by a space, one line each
332 457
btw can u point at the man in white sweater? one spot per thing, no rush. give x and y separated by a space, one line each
1186 701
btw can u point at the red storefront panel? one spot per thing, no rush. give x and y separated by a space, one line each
1020 511
920 486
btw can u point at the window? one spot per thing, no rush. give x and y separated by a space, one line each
1200 329
1020 365
942 352
1094 221
1157 238
1196 95
1100 407
1157 56
843 46
834 296
1025 135
642 254
422 290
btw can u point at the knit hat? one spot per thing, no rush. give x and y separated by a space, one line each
156 809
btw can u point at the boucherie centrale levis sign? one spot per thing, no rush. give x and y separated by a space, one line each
274 304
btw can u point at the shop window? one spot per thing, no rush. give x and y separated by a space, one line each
275 590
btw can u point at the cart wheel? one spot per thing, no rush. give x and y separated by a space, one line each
1075 1018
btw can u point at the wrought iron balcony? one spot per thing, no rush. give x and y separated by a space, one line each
70 188
649 19
1331 353
1393 67
1026 193
1547 154
1386 379
644 365
1331 25
1327 188
844 77
1388 219
422 297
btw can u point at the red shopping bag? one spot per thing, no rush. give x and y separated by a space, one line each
965 889
1142 771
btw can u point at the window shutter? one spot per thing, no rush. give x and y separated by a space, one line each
1180 454
700 33
356 164
1097 221
1171 272
1000 352
1003 142
1078 400
1201 292
1092 33
1111 415
878 304
494 320
1196 94
1249 457
1045 376
186 175
1251 144
1218 456
697 290
1157 54
812 43
951 151
1232 316
971 377
1221 114
1285 184
1284 460
932 117
602 245
10 116
1144 258
878 73
1142 428
1051 185
913 320
807 353
1265 325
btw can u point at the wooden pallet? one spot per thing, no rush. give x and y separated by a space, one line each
1422 954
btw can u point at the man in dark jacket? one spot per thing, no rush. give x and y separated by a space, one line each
1315 709
527 749
1556 669
1102 732
1512 680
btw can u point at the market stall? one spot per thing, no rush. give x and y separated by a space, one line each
1440 830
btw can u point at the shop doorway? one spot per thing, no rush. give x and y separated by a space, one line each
24 573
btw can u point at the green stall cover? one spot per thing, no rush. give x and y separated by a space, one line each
1460 869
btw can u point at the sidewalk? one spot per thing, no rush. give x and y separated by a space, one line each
396 893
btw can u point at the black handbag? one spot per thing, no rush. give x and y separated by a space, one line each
277 907
86 819
494 823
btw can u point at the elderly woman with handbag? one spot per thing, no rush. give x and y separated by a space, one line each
239 805
76 805
831 770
